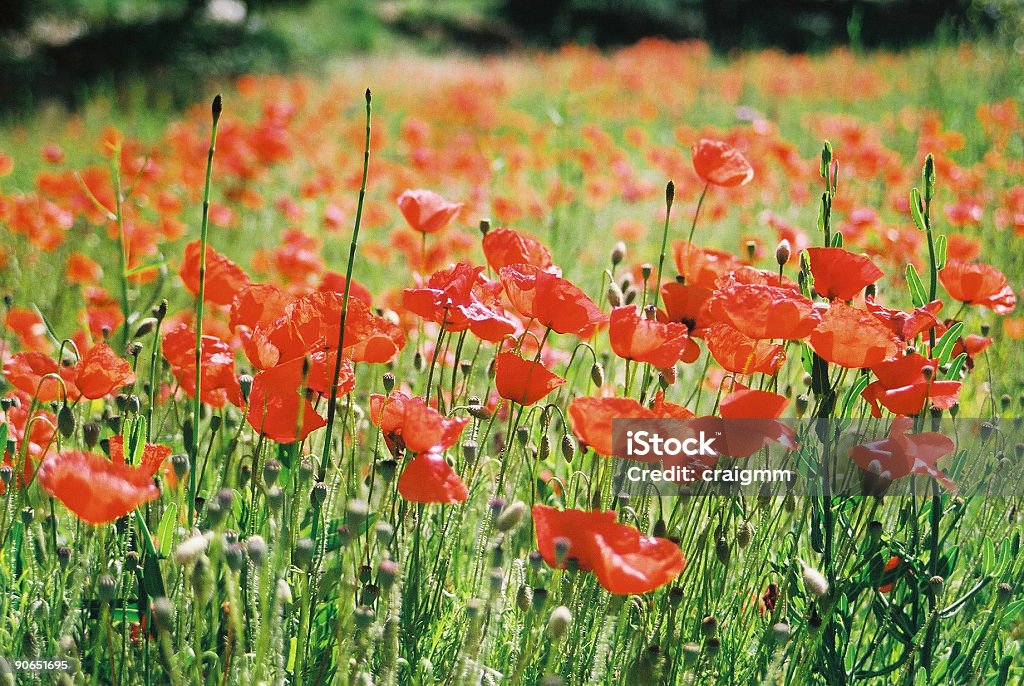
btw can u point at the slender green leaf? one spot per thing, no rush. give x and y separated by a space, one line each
915 209
955 366
917 292
165 530
940 252
944 348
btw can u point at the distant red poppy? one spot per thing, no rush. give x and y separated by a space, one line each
333 281
523 381
840 274
219 384
30 329
906 325
96 489
409 424
553 301
100 371
749 422
426 211
278 406
461 298
634 337
902 454
703 266
741 354
28 373
623 560
428 478
720 164
764 312
224 278
40 435
853 338
978 284
903 388
503 247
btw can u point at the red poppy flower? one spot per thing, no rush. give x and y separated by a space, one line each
224 278
902 454
749 422
591 419
720 164
278 406
29 328
96 489
218 383
702 266
853 338
637 338
978 284
461 298
891 566
523 381
28 373
428 478
258 304
503 247
426 211
550 299
333 281
840 274
623 560
100 371
903 388
102 312
154 458
760 311
741 354
906 325
667 410
40 435
409 423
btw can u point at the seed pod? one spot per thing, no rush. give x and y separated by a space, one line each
389 383
523 598
709 626
63 556
234 555
318 495
275 499
618 252
539 599
256 549
1004 592
562 547
245 382
485 226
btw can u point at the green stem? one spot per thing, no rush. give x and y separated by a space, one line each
333 401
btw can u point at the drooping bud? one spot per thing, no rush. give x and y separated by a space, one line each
783 252
559 622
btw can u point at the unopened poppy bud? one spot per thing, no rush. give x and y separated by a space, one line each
874 529
722 551
562 547
387 573
283 593
928 372
783 252
188 436
234 555
477 410
535 560
744 532
780 633
256 549
712 646
64 556
131 561
691 653
802 401
356 514
66 421
1004 592
121 401
709 626
559 622
615 296
495 580
163 613
629 296
523 598
646 269
1004 401
523 435
469 451
6 474
302 554
387 470
544 447
937 584
91 434
417 361
954 410
485 227
318 495
986 430
618 252
383 532
568 447
751 247
510 516
539 599
670 193
597 374
146 327
28 515
659 529
180 465
814 581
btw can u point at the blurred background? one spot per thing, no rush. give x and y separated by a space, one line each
65 50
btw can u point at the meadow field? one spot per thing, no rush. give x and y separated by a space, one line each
315 381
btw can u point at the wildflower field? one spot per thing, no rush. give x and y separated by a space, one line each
315 382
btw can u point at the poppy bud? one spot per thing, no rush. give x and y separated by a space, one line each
615 296
722 551
6 474
8 300
523 435
814 581
523 598
986 328
597 374
544 449
271 470
660 528
256 549
869 291
802 401
387 470
234 555
131 561
622 499
245 384
469 451
568 447
536 560
1004 401
163 613
63 556
618 252
383 532
121 401
28 515
954 410
1004 592
202 580
495 580
783 252
691 653
356 514
417 361
217 107
928 178
133 405
305 470
387 572
751 250
66 421
180 465
986 430
743 534
389 382
937 584
188 436
91 434
874 530
485 227
712 646
510 516
780 633
477 410
629 296
645 270
318 494
559 622
669 375
302 553
145 327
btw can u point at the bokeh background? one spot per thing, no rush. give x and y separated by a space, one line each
67 50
